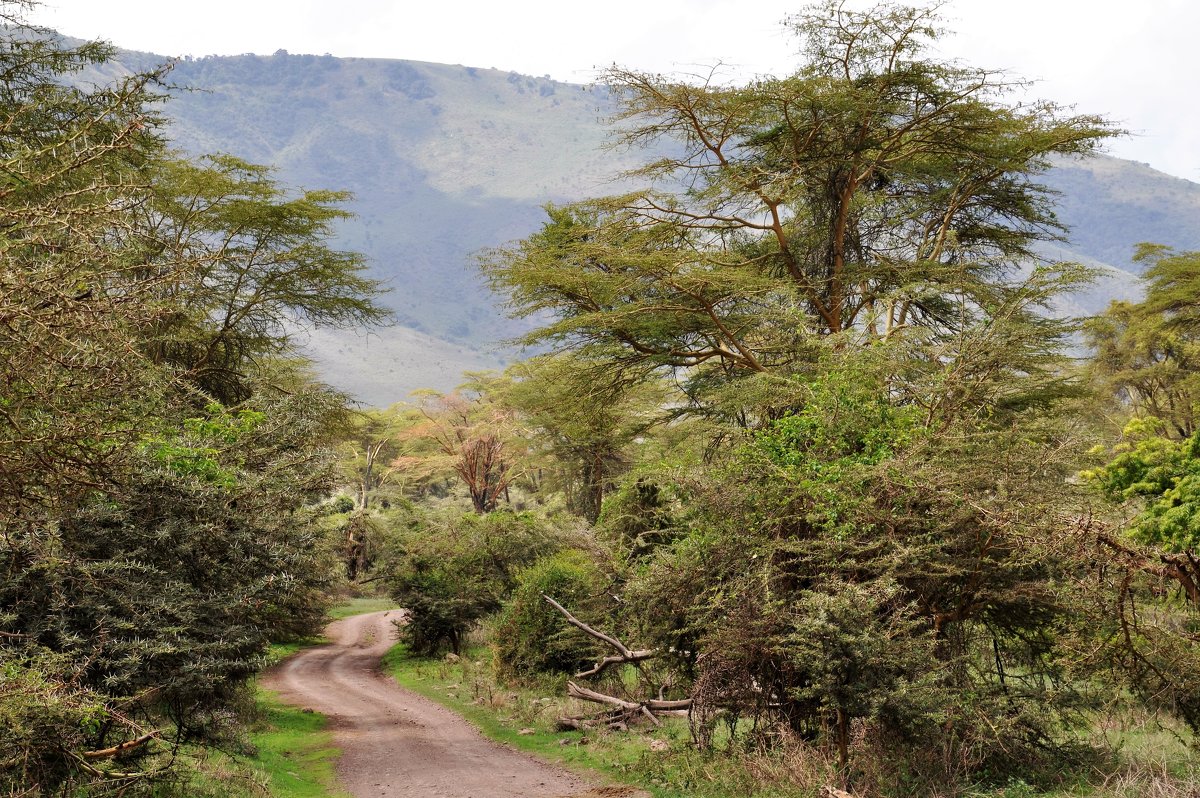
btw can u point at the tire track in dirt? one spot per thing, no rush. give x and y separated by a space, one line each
396 744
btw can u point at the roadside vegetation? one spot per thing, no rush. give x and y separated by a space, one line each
164 454
807 486
1156 757
808 492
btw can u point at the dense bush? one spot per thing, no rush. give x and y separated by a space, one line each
450 571
530 636
849 573
172 584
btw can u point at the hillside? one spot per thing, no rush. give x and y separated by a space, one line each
1112 204
444 160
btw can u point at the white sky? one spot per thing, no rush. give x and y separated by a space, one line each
1133 60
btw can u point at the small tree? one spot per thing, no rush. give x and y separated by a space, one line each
582 430
475 439
1146 355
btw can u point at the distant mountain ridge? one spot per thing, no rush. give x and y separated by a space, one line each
445 160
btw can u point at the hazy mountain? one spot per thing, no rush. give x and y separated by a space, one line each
1111 205
445 160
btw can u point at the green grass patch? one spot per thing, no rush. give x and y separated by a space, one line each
208 773
293 758
295 751
357 606
277 652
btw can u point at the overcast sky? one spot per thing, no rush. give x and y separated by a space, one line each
1135 62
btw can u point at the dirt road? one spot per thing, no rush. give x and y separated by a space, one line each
395 743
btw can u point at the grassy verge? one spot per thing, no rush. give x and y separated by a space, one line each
295 752
659 760
1154 763
293 758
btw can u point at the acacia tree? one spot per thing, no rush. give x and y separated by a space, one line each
585 429
373 456
151 539
843 258
72 395
258 267
373 449
475 439
1147 354
873 191
71 296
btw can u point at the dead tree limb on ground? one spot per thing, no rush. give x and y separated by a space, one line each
626 710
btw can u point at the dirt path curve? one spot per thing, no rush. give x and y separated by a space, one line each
395 743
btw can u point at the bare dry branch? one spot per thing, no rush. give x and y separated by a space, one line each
105 753
578 624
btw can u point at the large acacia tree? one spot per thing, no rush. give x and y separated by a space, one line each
874 190
845 259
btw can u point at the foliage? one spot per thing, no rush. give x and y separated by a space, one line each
859 565
70 295
159 455
529 637
665 762
373 450
638 517
874 192
1144 357
451 571
171 587
375 460
1146 353
842 262
1165 475
583 430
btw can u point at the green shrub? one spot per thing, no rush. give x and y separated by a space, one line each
532 637
637 518
451 571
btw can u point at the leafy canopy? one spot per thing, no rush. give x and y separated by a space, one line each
876 191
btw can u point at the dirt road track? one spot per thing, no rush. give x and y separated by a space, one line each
397 744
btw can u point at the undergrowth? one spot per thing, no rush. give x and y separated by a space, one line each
1152 761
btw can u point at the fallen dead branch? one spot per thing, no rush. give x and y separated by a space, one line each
626 711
